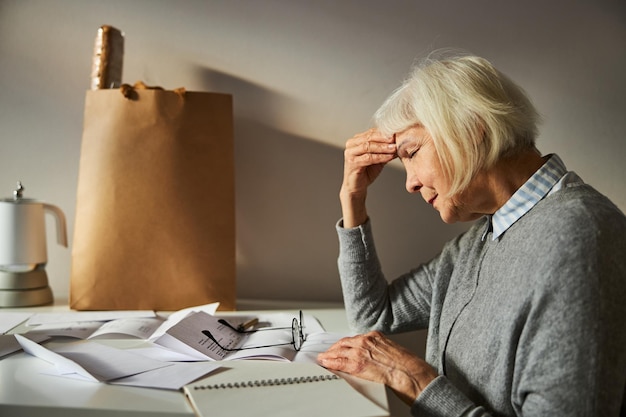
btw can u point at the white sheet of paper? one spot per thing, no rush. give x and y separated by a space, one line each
9 344
92 360
79 330
102 363
164 354
107 363
78 316
10 319
177 316
172 377
140 327
32 348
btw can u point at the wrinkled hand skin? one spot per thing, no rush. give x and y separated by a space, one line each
365 156
375 357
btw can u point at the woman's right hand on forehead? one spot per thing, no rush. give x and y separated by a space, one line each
365 156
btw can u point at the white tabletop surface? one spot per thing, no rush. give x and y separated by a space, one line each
25 389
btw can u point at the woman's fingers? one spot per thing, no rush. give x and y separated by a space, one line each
365 156
359 352
370 147
375 357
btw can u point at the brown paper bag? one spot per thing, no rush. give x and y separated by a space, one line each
155 215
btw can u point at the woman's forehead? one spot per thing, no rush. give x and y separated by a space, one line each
412 135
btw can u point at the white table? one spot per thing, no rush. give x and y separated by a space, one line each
25 391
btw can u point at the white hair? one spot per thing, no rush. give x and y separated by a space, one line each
474 113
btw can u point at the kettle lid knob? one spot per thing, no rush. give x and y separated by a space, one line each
17 193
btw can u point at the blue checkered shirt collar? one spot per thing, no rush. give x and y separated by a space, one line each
527 196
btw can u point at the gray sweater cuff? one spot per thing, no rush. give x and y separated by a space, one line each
441 399
356 244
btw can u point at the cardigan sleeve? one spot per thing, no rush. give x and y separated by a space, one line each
371 303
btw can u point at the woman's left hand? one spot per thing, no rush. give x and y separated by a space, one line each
375 357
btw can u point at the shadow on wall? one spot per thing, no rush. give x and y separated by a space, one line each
286 209
287 205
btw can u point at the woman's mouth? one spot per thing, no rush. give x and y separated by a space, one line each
432 201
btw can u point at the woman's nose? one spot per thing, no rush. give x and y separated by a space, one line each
412 184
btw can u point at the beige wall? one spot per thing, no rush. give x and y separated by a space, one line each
305 76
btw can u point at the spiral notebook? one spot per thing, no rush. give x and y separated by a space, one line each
268 388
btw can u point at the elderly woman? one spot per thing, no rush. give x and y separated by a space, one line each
525 311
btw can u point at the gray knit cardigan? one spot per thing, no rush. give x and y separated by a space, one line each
531 324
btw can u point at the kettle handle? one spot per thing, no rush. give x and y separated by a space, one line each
60 219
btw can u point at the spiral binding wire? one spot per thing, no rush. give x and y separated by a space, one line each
268 382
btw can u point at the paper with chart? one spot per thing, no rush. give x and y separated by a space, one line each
189 336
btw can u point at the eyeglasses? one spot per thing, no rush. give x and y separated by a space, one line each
297 335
